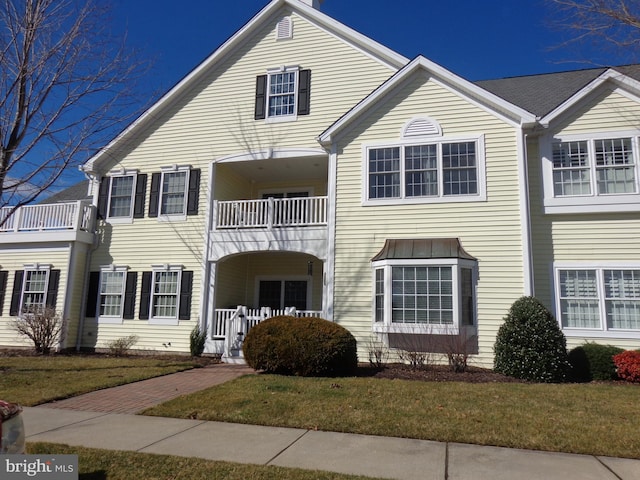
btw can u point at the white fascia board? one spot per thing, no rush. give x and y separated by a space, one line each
611 75
455 82
384 54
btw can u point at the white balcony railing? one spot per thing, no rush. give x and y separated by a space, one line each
77 216
271 213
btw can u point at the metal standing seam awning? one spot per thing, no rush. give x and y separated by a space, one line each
422 248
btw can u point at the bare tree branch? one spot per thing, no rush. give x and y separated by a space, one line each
67 84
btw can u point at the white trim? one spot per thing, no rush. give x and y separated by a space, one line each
272 153
593 202
289 117
35 267
480 196
121 173
160 320
599 267
421 126
525 215
173 169
284 278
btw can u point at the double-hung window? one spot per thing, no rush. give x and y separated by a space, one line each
34 288
283 94
165 293
121 196
597 173
165 296
112 289
603 300
34 291
434 171
173 196
174 193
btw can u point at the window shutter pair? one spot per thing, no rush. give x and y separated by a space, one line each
186 287
304 94
138 200
93 295
193 193
16 294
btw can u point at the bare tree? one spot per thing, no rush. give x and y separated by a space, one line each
612 25
65 88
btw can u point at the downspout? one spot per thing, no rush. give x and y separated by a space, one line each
329 272
525 216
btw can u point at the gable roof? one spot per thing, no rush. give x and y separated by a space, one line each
78 191
541 94
479 95
374 49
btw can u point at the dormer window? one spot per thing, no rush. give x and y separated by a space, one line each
282 94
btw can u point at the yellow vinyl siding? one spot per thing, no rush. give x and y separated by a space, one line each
609 110
491 231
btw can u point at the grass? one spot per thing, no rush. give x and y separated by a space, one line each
596 419
97 464
36 380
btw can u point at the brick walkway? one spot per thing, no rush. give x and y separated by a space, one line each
135 397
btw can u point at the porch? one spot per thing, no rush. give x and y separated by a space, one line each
231 325
69 221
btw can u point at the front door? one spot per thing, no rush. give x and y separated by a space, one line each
279 294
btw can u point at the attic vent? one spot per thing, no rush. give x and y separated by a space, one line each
420 127
284 29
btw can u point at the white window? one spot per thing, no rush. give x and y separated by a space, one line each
594 174
282 92
602 299
165 292
434 171
174 186
424 296
121 195
112 290
34 288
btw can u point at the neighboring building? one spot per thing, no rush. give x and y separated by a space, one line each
306 168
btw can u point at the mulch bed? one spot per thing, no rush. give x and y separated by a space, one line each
435 373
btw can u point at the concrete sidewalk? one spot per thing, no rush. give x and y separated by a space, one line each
104 419
383 457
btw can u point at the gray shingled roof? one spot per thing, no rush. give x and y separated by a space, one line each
540 94
71 194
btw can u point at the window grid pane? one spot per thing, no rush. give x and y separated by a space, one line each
121 195
282 87
421 170
379 308
615 169
422 295
579 302
384 173
165 294
111 289
459 168
571 173
622 298
35 287
173 193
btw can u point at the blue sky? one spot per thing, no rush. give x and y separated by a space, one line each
477 39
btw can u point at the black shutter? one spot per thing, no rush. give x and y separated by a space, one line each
92 294
14 309
52 291
194 192
3 287
304 91
154 197
141 191
103 197
145 296
261 97
130 295
186 286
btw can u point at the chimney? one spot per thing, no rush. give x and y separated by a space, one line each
313 3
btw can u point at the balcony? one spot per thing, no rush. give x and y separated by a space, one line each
284 224
71 221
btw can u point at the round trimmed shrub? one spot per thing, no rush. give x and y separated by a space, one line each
593 361
530 344
300 346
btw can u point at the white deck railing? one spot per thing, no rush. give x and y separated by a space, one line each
233 324
78 215
271 212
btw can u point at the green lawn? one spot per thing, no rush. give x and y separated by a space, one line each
35 380
597 419
104 464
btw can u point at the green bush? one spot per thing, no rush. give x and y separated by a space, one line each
197 340
300 346
530 344
592 361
